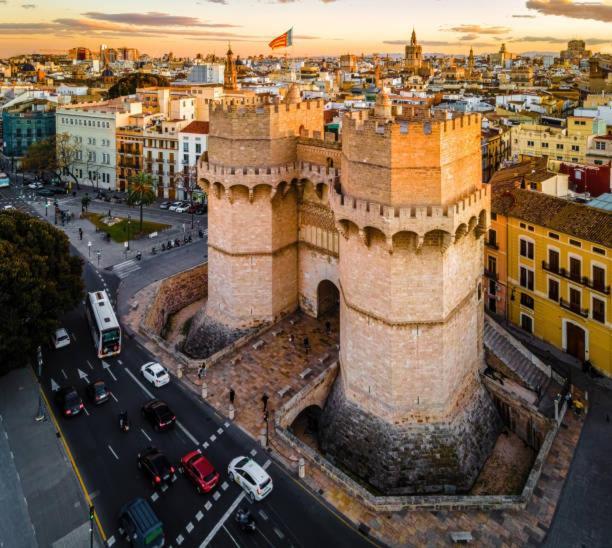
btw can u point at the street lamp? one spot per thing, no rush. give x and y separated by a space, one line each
89 249
99 253
128 232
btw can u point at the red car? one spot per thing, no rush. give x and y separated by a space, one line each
197 468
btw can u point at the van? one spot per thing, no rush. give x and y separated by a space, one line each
140 526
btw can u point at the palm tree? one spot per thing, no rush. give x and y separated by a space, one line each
140 192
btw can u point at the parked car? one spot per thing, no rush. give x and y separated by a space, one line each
182 208
97 392
57 190
158 414
155 373
60 338
8 207
174 205
193 208
140 526
47 192
35 185
165 204
69 401
156 466
251 477
200 471
202 209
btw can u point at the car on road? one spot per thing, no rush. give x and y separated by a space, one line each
45 192
140 526
251 477
174 205
200 471
8 207
183 208
156 466
155 373
60 338
158 414
69 401
35 185
165 204
98 392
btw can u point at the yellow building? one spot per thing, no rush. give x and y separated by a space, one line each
565 145
559 269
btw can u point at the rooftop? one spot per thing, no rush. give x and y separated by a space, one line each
196 127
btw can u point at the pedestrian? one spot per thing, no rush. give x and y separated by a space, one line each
201 372
80 233
306 345
328 327
266 415
109 213
264 400
232 396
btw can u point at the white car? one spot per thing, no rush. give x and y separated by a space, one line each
183 207
251 477
61 338
174 205
35 185
155 373
8 207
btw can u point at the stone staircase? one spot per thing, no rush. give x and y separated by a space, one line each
515 356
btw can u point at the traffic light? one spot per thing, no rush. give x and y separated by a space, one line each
91 512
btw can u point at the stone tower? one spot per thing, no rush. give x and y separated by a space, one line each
407 412
252 182
470 64
414 55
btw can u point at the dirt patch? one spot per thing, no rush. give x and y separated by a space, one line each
176 330
507 468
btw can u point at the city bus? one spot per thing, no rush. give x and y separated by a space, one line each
4 180
105 329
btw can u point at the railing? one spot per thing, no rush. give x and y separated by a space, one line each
492 245
574 307
491 274
583 280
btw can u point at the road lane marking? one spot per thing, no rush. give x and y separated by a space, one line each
86 412
89 364
164 488
267 463
119 362
279 533
189 527
110 541
64 373
230 536
180 540
205 445
73 337
220 431
199 515
145 434
154 497
83 376
216 496
54 386
222 521
253 452
263 515
113 452
113 396
187 433
226 424
224 486
213 437
106 366
208 505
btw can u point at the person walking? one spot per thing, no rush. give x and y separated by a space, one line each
306 345
80 233
264 400
232 396
328 328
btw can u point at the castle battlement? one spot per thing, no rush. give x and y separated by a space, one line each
455 219
248 176
265 109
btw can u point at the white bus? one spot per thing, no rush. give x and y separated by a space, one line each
105 329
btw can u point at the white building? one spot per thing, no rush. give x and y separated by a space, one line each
92 126
65 89
207 73
193 142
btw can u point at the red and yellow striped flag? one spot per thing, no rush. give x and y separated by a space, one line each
283 41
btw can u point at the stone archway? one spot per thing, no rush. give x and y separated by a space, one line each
305 427
328 299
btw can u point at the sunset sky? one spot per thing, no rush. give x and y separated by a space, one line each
321 27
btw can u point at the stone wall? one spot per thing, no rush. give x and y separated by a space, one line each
174 294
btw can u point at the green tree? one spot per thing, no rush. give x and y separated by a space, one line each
85 201
39 282
140 192
40 158
128 84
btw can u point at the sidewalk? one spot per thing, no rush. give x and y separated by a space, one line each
54 512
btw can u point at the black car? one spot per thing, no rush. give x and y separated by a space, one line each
58 189
97 392
69 401
158 414
47 192
156 466
202 209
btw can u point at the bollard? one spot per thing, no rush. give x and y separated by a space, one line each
263 437
204 391
301 468
232 411
179 372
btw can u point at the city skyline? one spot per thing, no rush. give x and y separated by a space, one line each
321 27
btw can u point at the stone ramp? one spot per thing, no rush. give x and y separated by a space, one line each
517 358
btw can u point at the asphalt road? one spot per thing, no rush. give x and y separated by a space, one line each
106 457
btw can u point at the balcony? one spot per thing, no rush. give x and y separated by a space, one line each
582 280
574 307
491 274
492 245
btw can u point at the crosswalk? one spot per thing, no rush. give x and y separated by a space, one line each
124 269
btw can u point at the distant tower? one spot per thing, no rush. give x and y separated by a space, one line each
408 412
377 79
470 66
230 79
414 55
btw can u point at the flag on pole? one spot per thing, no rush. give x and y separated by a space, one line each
282 41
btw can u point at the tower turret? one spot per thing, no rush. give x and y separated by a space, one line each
230 79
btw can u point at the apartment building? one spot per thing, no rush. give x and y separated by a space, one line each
93 127
193 142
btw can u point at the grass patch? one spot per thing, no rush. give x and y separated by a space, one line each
119 231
